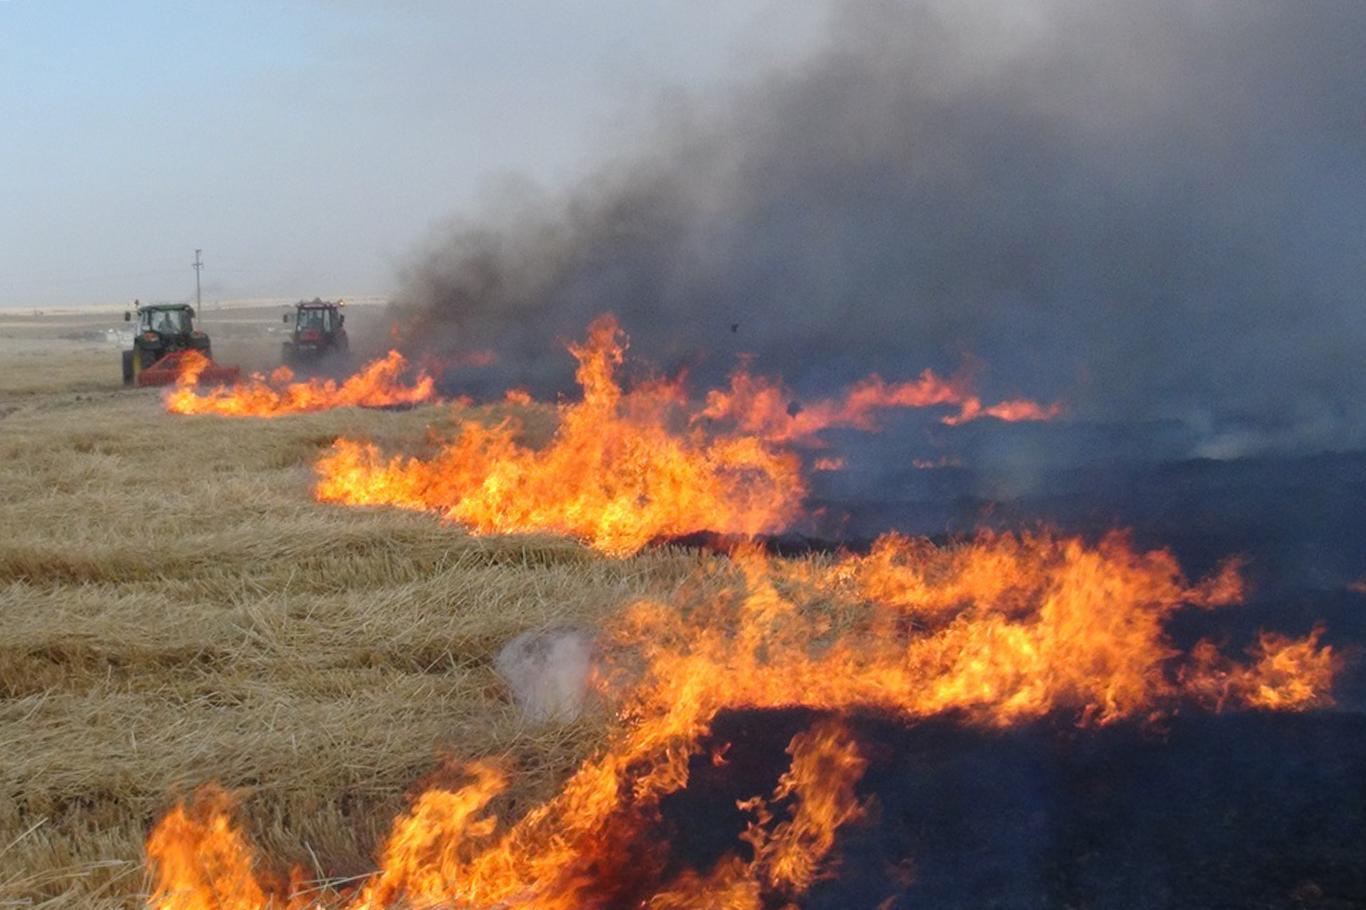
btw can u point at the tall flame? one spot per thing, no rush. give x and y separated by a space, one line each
998 629
615 474
379 383
203 860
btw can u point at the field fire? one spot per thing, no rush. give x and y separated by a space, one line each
638 456
378 384
996 631
629 466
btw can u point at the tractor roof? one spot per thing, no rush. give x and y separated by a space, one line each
165 306
316 304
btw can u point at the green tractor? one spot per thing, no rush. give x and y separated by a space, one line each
165 333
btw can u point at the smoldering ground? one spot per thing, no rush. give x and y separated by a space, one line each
1149 211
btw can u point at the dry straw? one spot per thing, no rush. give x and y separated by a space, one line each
175 608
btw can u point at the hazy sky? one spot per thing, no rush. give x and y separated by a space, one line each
308 147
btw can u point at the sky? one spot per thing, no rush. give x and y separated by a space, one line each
309 147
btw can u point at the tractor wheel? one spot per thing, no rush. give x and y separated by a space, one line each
143 360
127 367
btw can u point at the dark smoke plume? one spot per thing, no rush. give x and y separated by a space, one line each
1149 210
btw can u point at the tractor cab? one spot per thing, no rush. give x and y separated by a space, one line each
166 322
318 330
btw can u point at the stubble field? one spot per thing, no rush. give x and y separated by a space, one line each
175 608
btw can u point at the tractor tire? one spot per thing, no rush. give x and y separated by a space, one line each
127 367
287 354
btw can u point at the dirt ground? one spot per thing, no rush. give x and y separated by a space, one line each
175 608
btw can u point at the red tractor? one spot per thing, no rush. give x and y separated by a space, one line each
318 331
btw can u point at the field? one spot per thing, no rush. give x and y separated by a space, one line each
177 609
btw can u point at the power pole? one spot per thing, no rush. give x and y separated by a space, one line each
198 266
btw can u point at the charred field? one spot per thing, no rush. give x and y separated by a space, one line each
178 609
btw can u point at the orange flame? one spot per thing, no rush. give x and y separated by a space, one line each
766 408
378 384
203 860
615 474
999 629
1286 674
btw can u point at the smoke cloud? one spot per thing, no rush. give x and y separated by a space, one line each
1151 211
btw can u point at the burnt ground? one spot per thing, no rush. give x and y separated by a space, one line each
1245 810
1239 810
1297 522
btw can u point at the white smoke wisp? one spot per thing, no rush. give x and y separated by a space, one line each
548 672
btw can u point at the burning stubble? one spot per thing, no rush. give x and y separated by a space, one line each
379 383
631 465
997 631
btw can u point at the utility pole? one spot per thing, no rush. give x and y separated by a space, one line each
198 266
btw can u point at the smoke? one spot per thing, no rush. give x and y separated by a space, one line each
1152 211
548 672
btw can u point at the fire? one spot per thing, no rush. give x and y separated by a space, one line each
995 630
627 466
616 474
789 857
768 409
203 860
379 383
1286 674
998 629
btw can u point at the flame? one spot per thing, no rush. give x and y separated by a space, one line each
379 383
790 856
997 629
192 364
766 408
615 474
1286 674
627 466
203 860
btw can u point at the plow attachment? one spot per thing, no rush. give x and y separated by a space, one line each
177 363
